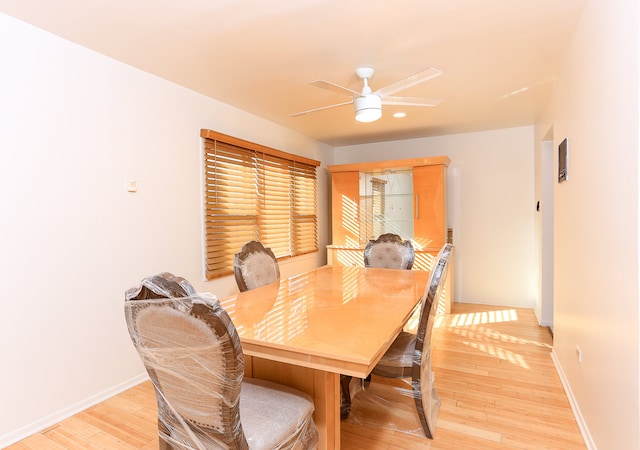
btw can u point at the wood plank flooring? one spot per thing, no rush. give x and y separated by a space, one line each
493 371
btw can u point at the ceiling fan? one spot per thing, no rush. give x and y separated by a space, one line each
368 103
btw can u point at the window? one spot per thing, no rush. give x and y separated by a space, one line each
254 192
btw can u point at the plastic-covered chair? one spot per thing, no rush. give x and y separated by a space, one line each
193 355
255 266
410 354
389 251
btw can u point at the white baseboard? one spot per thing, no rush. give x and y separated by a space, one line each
58 416
541 322
538 318
586 435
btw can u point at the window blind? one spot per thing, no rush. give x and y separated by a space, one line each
256 193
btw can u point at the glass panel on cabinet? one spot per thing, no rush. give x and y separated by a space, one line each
386 204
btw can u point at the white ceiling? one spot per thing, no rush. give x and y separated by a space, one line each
498 57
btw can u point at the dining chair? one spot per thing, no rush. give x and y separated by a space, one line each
193 355
389 251
410 354
254 266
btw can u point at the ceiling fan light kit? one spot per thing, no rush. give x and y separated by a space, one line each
368 108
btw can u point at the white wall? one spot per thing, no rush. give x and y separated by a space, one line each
596 223
76 126
491 208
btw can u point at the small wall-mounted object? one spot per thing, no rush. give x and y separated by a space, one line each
563 157
132 185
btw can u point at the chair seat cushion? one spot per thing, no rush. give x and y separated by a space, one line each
398 360
275 416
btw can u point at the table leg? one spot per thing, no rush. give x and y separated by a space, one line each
324 388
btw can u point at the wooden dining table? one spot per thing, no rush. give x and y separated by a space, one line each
306 330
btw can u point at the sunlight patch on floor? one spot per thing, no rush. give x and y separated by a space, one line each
500 353
503 315
476 332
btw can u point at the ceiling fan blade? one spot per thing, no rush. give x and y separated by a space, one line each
334 88
411 101
320 109
406 83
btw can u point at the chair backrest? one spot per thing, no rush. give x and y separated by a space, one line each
389 251
192 353
163 285
425 395
255 266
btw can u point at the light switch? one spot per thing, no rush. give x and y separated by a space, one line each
132 186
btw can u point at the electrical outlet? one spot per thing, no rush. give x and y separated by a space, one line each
579 353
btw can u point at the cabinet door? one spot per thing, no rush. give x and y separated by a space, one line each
430 203
345 201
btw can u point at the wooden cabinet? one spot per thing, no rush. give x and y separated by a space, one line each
345 201
430 211
426 210
418 213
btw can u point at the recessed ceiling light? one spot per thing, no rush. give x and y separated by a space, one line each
399 114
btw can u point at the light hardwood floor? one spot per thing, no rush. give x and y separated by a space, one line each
493 372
